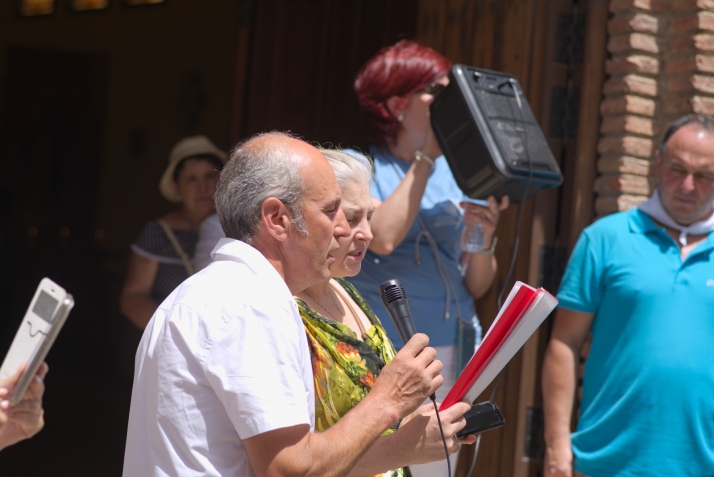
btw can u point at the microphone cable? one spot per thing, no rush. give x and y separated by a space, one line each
517 93
443 439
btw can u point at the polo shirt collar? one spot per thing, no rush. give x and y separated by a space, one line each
642 223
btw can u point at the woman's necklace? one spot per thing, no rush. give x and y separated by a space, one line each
353 312
350 310
334 302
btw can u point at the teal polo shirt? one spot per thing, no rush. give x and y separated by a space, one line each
648 392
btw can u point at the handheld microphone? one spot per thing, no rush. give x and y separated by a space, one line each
395 301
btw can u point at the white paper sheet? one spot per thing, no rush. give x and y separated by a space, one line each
529 323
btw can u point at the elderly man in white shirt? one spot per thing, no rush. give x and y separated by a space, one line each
223 380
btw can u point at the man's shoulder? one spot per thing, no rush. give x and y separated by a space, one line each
223 299
611 225
226 284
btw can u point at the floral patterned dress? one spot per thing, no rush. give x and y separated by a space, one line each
345 368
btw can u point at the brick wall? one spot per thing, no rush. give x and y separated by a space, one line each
661 67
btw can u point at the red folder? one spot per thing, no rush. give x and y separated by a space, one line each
524 310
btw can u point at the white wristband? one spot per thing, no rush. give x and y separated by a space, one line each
420 156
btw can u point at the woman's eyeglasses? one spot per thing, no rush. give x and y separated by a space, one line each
433 89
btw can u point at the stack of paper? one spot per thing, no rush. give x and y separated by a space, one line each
521 315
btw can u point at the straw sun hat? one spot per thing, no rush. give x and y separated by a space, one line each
186 147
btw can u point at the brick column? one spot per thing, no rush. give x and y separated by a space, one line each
689 60
661 67
630 105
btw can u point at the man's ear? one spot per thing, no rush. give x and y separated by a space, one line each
275 218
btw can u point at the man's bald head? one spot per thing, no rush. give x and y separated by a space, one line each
685 173
267 165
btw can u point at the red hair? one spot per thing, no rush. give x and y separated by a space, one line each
396 70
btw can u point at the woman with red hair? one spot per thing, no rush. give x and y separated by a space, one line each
419 215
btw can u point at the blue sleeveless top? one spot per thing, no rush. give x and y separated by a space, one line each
415 264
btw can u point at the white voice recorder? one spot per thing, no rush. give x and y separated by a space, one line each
43 320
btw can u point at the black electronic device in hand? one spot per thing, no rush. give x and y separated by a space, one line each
481 417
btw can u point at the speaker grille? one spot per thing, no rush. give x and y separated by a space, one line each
392 293
492 145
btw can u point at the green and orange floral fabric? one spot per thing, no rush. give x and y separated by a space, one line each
344 367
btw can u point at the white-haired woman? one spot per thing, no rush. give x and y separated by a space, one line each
349 347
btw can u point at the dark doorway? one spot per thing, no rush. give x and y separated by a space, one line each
51 136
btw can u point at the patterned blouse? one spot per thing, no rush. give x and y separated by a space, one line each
153 244
345 368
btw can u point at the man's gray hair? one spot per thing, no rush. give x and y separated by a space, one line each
349 167
260 168
703 120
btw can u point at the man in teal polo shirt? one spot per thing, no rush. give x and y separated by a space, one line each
642 282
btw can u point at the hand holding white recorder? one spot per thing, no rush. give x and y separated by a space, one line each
45 316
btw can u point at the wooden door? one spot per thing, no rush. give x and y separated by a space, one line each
51 136
296 72
556 49
52 129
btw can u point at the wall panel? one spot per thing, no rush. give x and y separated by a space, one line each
522 37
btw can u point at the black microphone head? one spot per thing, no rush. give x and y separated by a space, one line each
391 291
395 301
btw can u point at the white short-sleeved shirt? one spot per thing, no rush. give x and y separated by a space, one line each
224 358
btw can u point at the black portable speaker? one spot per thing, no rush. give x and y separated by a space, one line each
493 146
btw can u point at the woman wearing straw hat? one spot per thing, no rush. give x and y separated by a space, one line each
161 257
